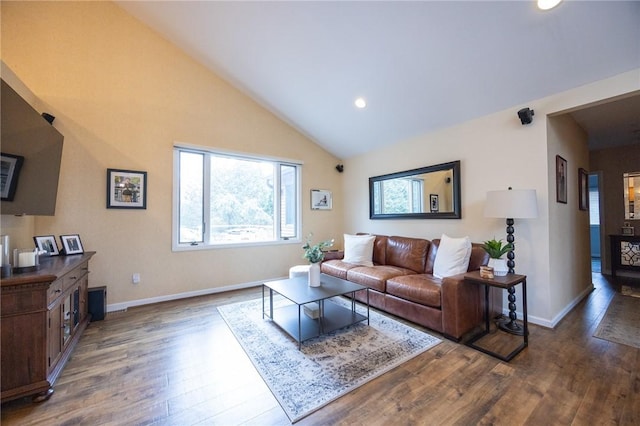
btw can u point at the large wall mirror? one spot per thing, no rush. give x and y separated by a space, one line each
426 193
631 195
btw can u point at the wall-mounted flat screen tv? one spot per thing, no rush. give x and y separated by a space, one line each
31 154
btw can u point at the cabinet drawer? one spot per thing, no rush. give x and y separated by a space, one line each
55 290
72 277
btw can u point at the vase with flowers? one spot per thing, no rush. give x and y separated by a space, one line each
495 249
314 254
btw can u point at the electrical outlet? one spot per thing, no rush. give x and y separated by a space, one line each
135 278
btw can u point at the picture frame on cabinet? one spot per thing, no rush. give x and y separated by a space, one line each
10 166
126 189
583 189
71 244
47 243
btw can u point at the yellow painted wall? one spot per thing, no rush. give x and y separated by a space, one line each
122 96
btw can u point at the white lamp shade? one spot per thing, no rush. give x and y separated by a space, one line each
512 204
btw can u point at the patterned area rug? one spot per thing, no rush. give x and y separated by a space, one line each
627 290
326 367
620 322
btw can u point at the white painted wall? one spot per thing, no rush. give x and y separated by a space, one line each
497 151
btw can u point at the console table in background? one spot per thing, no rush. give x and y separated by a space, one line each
625 253
42 316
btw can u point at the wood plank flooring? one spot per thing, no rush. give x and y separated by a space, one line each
177 363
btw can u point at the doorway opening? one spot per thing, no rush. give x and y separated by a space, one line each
594 222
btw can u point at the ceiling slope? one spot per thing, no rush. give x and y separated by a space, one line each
421 66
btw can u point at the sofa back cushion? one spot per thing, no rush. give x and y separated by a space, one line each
431 256
409 253
479 257
380 250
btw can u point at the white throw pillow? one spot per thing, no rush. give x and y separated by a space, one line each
452 257
358 249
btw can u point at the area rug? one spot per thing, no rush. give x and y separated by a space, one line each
630 291
326 367
620 322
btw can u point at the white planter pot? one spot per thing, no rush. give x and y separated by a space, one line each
499 266
314 275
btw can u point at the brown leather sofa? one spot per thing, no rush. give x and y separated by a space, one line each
401 282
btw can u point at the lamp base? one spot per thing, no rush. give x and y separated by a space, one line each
510 326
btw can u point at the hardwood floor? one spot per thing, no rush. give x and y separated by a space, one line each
177 363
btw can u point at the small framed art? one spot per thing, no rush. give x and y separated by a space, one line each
47 243
71 244
9 171
126 189
561 180
434 203
321 199
583 189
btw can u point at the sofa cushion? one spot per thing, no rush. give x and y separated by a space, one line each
336 268
380 250
408 253
479 257
452 257
419 288
375 276
358 249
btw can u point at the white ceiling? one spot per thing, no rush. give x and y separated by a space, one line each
421 66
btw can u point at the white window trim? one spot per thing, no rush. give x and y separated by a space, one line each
176 247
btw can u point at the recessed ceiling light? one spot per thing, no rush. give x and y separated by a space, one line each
548 4
360 103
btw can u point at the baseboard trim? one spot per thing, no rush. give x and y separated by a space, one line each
552 323
123 306
572 305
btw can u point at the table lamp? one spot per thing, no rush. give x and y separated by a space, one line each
511 204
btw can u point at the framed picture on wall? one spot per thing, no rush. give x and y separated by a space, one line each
126 189
583 189
321 199
561 180
434 204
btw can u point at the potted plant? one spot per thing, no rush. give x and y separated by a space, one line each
495 249
314 254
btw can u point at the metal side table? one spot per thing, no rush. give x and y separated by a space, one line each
507 282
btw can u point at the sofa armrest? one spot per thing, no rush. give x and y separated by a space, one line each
462 306
333 254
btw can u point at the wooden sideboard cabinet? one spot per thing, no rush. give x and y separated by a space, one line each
42 316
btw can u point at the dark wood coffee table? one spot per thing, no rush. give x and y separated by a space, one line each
331 315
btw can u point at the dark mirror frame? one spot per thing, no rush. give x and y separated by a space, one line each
455 214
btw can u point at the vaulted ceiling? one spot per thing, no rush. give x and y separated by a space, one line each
421 66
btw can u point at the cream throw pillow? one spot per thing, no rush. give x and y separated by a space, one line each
358 249
452 257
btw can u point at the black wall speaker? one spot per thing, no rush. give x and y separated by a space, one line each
340 168
525 115
48 117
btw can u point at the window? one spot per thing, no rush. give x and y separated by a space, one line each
230 199
399 196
